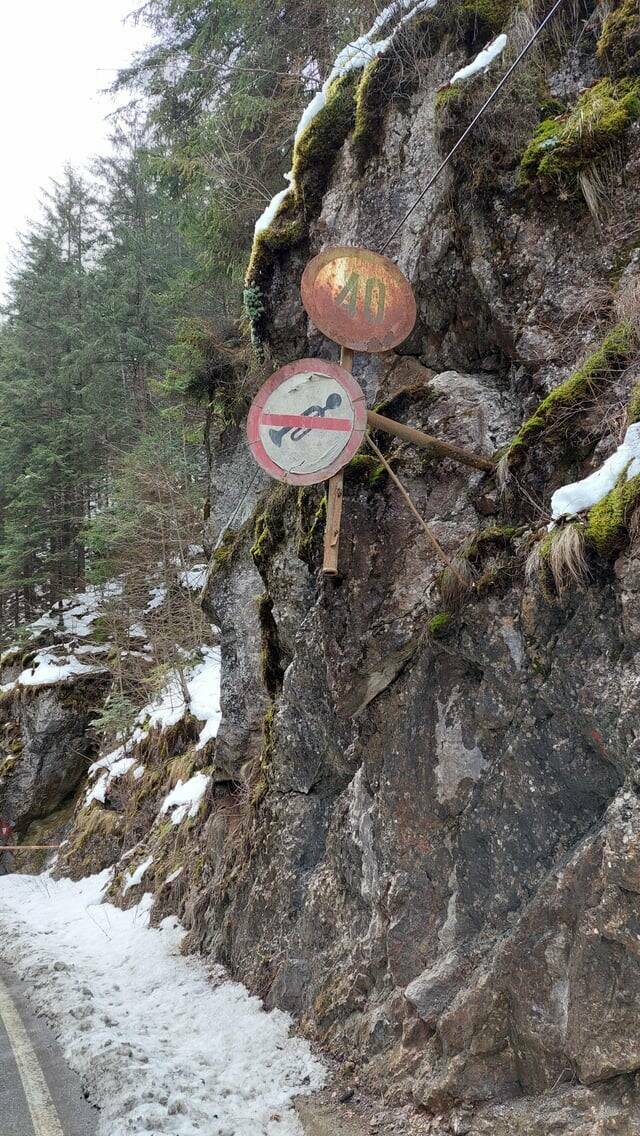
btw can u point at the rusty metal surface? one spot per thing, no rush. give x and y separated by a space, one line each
358 299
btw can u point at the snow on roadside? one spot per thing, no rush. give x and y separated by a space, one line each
159 1048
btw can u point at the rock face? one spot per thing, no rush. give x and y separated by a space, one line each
440 872
47 746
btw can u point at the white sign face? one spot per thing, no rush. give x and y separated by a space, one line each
307 421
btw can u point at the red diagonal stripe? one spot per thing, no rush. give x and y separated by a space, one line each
308 421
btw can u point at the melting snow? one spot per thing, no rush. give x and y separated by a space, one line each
193 578
158 596
482 60
185 799
353 57
159 1048
202 683
132 879
47 669
572 499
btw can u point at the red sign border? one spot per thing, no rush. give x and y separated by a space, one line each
320 367
405 327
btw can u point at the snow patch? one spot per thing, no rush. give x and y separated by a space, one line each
572 499
47 669
132 879
157 598
353 57
482 61
160 1049
193 578
186 798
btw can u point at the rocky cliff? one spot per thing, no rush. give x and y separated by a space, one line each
437 864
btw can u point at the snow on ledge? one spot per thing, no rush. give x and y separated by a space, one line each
353 57
186 798
482 60
159 1047
132 879
580 495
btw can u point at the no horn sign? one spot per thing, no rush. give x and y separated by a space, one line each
307 421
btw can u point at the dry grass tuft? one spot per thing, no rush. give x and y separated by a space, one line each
503 474
567 558
454 589
595 191
627 301
534 565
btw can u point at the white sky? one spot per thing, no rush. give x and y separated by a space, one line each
55 58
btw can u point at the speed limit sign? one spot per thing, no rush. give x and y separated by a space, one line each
359 299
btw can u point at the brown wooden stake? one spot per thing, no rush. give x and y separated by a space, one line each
28 847
334 499
418 438
439 550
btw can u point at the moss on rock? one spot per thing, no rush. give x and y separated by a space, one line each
380 84
608 521
633 405
269 529
617 347
619 43
440 624
366 470
565 146
318 146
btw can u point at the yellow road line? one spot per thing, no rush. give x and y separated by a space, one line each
43 1111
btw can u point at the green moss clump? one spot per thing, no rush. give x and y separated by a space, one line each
313 157
450 98
633 405
269 529
285 232
617 348
440 624
319 145
380 83
231 541
367 470
564 147
619 43
607 523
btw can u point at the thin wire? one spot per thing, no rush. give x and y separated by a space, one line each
439 550
471 125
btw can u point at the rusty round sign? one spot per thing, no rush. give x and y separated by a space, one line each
359 299
307 421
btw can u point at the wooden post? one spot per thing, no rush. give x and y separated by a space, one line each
418 438
28 847
334 499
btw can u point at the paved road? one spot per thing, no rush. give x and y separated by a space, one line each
39 1095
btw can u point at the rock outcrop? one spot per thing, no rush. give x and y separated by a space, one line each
436 863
